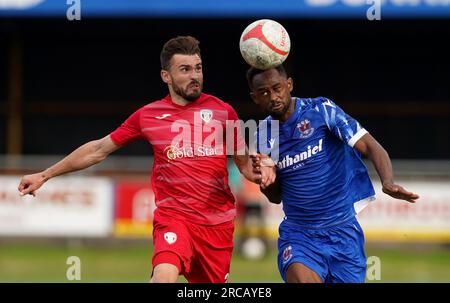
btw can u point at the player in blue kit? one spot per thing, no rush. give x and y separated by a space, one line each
320 178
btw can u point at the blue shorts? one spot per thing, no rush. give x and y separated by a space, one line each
335 253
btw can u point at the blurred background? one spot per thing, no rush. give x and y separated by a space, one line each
65 82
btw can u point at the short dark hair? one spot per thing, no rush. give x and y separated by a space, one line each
183 45
252 72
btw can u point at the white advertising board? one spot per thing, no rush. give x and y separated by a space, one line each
395 220
388 219
64 206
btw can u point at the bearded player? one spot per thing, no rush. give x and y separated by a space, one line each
321 180
193 222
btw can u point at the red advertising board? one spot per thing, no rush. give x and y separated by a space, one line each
134 207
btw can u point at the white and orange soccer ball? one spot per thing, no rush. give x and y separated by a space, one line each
265 44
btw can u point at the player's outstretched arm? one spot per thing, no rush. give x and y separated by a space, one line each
84 156
370 148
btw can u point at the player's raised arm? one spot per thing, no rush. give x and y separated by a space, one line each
370 148
84 156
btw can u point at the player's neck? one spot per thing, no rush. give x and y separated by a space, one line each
289 112
177 99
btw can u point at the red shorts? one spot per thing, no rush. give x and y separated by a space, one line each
204 252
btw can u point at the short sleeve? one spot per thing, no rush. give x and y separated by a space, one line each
129 131
239 146
267 138
263 138
339 123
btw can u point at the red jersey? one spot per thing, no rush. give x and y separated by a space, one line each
190 176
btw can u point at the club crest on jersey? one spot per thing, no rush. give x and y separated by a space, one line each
206 115
287 254
305 129
170 237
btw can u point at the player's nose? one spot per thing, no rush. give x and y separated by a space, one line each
275 99
195 75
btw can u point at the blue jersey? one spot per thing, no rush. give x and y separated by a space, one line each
320 173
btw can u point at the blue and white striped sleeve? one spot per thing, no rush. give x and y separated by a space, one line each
339 123
263 137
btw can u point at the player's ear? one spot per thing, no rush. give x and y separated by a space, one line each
290 83
165 76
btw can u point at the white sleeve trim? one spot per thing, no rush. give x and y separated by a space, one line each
361 204
357 136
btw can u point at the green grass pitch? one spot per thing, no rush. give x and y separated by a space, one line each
131 262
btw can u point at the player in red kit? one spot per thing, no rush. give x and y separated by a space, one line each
190 135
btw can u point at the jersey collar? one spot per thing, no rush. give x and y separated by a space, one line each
293 117
200 99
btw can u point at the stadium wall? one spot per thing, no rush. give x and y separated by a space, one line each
104 202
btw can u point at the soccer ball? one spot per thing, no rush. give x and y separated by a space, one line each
265 44
253 248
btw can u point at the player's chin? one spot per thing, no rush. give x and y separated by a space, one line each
193 94
276 113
